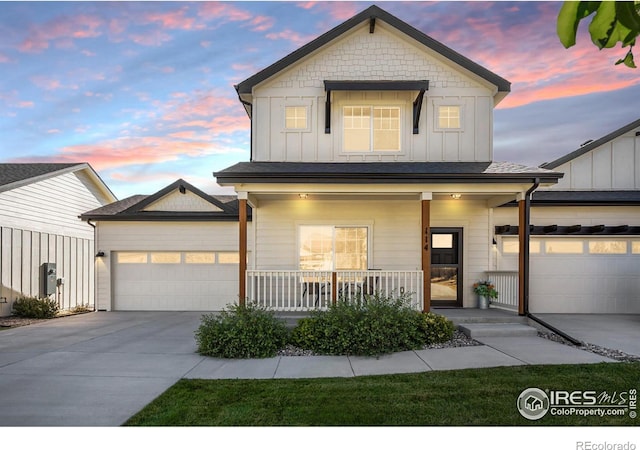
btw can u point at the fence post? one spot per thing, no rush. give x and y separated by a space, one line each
334 287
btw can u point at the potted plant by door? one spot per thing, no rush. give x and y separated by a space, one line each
485 291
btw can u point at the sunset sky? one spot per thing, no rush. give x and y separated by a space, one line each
143 91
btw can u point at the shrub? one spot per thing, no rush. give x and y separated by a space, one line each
248 331
83 308
35 308
437 328
375 325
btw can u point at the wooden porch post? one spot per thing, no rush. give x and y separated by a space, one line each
242 207
523 224
425 230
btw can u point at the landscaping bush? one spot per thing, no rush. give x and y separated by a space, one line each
371 326
35 308
82 308
437 328
248 331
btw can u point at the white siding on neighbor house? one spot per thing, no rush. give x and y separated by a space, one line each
114 237
395 241
612 166
22 252
39 223
383 55
583 282
50 206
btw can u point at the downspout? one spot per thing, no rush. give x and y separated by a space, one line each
95 251
527 238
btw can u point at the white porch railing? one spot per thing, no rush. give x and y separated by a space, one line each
506 283
300 290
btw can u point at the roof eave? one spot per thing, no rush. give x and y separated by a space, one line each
593 145
351 178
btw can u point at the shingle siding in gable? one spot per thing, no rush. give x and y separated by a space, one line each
365 56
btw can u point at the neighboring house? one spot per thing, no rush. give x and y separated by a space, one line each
371 169
40 206
175 250
585 241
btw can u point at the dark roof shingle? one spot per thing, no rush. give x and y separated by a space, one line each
15 172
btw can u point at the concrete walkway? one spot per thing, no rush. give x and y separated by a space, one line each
99 369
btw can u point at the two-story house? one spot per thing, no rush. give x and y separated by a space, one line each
371 169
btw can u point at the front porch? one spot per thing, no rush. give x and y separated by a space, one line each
303 290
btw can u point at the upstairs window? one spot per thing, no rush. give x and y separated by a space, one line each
296 118
449 117
371 128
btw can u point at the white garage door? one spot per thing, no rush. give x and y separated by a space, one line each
585 275
175 281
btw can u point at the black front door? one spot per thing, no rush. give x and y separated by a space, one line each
446 267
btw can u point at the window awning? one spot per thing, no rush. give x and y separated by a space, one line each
376 85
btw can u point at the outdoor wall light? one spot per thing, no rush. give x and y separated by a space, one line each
100 254
456 196
303 196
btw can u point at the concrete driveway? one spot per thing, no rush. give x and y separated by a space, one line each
614 331
93 369
99 369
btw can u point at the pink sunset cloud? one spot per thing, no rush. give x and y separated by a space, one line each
127 151
221 11
262 23
46 83
294 37
173 20
152 38
61 29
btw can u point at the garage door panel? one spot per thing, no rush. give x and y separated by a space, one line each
174 287
585 283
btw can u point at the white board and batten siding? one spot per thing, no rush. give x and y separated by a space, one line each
164 275
614 165
394 232
39 223
383 55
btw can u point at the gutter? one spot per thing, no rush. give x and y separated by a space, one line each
525 287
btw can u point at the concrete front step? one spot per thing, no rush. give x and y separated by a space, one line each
474 330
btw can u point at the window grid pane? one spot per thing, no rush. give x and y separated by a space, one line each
165 258
449 117
228 258
608 247
357 128
386 129
296 117
132 258
351 248
200 258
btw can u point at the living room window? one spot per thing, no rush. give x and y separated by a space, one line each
328 247
371 128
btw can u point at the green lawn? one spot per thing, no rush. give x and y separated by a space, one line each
461 397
